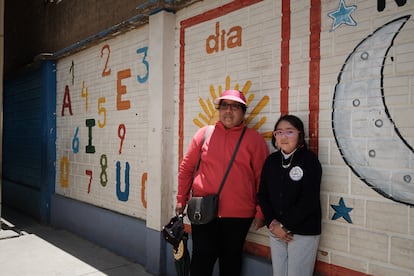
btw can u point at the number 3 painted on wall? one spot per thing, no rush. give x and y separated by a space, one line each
145 62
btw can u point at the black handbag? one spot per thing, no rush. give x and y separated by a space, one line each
203 209
173 231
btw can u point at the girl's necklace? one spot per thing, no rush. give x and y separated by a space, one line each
290 158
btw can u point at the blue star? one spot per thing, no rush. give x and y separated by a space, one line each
342 15
341 211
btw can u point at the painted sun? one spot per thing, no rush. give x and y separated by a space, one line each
210 115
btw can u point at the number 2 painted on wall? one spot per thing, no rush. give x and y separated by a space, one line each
106 71
143 50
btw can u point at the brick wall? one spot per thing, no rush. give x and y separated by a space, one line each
107 86
238 44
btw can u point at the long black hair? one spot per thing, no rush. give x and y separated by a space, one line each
296 123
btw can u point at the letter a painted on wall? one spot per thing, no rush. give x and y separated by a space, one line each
66 102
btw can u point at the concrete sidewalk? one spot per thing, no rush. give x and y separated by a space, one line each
30 248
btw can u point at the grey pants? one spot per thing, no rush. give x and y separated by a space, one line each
296 258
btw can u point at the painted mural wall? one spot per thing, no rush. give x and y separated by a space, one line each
345 67
102 124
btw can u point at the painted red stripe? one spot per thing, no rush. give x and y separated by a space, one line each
321 268
284 58
181 97
314 73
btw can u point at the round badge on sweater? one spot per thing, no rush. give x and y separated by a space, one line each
296 173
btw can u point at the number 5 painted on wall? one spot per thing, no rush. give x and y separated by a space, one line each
102 109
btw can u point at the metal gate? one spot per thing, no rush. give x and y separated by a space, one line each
29 135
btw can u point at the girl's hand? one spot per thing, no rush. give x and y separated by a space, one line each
280 232
258 223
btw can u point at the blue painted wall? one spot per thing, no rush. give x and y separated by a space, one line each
129 237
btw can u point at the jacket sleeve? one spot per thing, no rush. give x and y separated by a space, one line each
188 165
259 158
263 195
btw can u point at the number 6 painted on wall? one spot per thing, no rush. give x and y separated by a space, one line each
75 141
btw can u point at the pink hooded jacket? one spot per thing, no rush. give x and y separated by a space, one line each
238 197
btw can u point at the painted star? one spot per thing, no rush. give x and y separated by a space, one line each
342 15
341 211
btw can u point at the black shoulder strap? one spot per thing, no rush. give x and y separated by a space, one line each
231 161
209 129
207 133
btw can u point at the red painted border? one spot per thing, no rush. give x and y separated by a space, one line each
325 269
321 268
211 14
285 58
257 250
314 73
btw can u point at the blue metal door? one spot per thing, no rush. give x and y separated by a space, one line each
29 135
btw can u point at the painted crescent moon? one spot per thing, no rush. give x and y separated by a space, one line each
366 135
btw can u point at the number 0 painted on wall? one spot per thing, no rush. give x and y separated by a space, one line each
64 172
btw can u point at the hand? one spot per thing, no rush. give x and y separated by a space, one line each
258 223
276 229
286 236
179 209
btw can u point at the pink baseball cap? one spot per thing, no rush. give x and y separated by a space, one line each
232 95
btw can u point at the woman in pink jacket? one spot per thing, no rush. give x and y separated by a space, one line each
223 238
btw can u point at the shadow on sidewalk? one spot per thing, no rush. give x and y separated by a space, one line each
55 251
